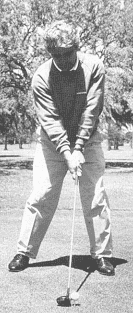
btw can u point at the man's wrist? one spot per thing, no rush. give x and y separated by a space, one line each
66 154
78 147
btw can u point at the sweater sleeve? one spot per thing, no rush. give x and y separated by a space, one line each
94 105
48 114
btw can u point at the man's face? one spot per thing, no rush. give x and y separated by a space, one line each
65 58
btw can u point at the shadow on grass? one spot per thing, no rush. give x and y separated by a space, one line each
9 156
4 173
81 262
22 164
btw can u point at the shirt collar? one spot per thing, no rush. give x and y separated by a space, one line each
74 68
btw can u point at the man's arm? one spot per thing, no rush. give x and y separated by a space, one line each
95 100
50 121
48 114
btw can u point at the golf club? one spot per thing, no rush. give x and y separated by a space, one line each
66 300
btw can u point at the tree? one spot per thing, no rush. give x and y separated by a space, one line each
119 65
15 57
105 27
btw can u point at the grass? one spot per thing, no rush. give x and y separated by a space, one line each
36 289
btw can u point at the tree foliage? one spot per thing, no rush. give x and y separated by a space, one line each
106 28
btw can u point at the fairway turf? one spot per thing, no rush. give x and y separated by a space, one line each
36 289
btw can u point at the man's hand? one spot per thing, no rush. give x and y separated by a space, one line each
74 162
69 161
79 160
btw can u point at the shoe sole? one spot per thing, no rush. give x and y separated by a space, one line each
17 270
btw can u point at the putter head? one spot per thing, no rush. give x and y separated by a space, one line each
64 301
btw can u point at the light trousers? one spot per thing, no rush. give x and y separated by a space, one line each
49 170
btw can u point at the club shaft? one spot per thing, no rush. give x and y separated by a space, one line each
72 234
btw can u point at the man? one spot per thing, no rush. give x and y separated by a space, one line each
68 91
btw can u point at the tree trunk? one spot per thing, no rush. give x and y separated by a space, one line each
116 145
131 141
109 140
20 144
5 148
109 144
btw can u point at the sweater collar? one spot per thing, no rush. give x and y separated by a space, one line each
74 68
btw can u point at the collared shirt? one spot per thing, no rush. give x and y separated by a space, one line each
72 69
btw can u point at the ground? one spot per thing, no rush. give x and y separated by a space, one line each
36 289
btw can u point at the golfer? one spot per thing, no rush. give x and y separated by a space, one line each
69 93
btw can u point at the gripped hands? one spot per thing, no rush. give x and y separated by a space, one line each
74 162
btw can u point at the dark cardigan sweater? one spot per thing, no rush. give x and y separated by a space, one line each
68 104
